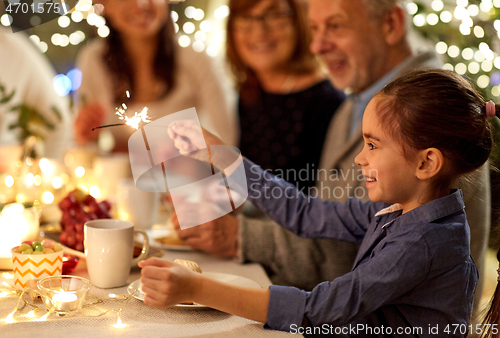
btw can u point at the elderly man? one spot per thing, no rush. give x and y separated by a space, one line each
364 45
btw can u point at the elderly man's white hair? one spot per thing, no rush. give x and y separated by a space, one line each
379 7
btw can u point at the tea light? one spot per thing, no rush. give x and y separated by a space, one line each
64 294
65 301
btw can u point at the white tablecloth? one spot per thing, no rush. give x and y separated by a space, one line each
142 320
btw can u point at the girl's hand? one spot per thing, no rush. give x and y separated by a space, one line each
189 138
90 116
166 283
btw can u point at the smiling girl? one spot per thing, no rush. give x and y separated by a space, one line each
413 271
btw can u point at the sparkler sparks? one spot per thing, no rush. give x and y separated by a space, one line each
133 121
136 119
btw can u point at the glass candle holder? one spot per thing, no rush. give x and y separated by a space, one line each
63 294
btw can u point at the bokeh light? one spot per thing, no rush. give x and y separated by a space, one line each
446 16
473 67
460 68
77 16
198 46
222 12
468 53
190 12
6 20
62 85
80 171
75 76
63 21
411 8
188 27
441 47
184 41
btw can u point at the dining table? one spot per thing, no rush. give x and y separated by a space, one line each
114 313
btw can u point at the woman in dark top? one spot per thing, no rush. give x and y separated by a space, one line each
285 100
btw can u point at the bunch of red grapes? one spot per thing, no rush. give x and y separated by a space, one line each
78 208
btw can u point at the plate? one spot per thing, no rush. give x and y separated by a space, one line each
156 233
221 277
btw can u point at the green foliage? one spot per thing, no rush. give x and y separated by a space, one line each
29 120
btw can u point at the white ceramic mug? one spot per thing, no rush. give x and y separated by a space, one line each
109 247
136 206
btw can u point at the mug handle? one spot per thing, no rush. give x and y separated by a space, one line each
145 248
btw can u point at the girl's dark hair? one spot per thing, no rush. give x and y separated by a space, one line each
302 61
120 65
438 109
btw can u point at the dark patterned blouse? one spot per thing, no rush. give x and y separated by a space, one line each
285 132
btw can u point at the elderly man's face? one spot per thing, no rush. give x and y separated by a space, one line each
349 42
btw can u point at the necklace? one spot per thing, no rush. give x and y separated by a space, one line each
288 84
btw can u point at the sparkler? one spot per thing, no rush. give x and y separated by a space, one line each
130 121
136 119
133 121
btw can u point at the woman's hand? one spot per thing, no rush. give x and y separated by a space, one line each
166 283
190 138
90 116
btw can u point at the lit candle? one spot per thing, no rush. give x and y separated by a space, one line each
17 224
65 301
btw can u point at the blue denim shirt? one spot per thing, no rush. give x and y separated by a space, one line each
412 271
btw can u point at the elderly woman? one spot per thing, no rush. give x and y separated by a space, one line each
285 100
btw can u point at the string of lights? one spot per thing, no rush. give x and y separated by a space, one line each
465 32
24 303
